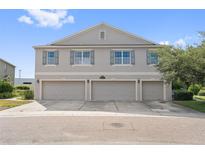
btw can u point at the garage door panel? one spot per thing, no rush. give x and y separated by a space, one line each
63 90
152 90
113 90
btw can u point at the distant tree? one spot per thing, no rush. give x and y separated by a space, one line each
186 65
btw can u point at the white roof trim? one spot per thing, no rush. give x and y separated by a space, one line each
7 62
98 46
117 29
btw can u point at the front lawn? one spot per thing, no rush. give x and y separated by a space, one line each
12 103
195 105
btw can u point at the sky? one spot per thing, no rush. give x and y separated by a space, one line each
22 29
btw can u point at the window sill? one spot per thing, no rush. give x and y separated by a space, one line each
48 65
151 64
122 65
82 65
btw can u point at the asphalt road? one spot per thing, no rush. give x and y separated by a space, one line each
101 130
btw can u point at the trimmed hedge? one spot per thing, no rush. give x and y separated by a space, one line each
5 87
6 90
183 95
27 94
203 88
201 93
22 88
6 95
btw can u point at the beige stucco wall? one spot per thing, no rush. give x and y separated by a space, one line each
91 36
102 62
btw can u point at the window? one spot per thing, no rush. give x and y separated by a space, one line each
122 57
5 68
152 57
102 35
51 58
82 57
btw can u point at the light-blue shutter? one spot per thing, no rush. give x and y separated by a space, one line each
44 58
112 57
92 56
72 57
132 57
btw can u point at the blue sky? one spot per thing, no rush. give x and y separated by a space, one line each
22 29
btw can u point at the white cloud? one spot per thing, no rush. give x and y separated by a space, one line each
164 42
25 19
50 18
180 43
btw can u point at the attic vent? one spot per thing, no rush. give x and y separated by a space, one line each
102 35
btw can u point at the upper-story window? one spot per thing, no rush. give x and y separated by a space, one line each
50 57
152 57
102 35
82 57
122 57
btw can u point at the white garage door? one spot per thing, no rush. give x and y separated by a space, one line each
152 90
113 90
63 90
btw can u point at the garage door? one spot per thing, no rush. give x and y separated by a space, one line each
113 90
152 90
63 90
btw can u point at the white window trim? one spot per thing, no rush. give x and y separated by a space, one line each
82 65
122 50
122 65
50 65
100 34
82 58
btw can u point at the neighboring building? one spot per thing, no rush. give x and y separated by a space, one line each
101 63
7 71
24 81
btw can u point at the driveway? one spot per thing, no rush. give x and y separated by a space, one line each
150 107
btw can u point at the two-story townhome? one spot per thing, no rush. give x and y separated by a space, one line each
7 71
100 63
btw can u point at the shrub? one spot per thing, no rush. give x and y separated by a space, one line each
5 87
22 87
203 88
201 93
199 98
177 84
27 94
6 95
183 95
194 88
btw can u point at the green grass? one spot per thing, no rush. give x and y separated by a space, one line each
195 105
12 103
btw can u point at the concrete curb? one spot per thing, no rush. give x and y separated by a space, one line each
81 113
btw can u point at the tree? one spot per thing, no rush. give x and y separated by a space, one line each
186 65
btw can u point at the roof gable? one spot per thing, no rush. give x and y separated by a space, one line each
113 35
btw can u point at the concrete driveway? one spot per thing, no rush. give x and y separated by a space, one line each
150 108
